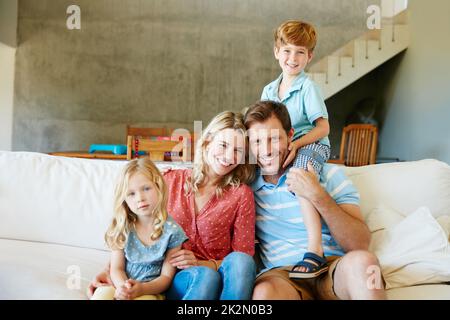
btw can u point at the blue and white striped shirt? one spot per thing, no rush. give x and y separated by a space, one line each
282 235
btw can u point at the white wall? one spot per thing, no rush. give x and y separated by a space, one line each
8 41
389 8
417 122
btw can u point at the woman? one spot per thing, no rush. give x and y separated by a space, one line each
215 207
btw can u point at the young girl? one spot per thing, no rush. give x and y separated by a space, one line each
141 236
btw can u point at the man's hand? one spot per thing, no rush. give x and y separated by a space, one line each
183 259
102 279
304 183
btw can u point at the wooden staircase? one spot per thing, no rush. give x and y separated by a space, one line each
360 56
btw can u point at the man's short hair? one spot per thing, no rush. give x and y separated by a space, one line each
263 110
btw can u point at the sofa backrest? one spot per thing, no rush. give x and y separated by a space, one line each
404 186
56 199
69 201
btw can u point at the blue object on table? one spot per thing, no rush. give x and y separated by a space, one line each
114 148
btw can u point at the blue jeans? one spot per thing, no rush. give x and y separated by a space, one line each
233 281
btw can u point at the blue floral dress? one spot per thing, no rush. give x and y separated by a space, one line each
144 263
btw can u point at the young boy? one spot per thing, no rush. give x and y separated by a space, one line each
294 45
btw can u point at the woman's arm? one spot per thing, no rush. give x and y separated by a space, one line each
184 259
243 237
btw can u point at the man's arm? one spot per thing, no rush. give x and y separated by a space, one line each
345 221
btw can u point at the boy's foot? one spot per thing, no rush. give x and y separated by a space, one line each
313 266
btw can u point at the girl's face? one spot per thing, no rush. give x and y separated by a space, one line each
226 151
141 196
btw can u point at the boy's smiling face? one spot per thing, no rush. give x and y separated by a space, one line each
292 59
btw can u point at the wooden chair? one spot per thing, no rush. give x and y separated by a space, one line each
140 139
358 145
189 140
146 132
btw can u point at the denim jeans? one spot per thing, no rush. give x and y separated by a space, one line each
233 281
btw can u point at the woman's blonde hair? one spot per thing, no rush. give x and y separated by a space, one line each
124 219
243 173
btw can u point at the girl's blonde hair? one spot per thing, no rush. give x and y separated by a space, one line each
124 219
243 173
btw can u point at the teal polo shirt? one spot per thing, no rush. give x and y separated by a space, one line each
304 102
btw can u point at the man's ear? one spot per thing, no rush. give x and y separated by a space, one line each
291 134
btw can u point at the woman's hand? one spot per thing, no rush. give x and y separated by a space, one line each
101 279
183 259
165 170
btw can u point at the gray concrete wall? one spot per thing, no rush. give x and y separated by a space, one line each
152 62
8 22
8 28
417 110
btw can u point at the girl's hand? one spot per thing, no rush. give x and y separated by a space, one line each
293 147
135 288
183 259
123 292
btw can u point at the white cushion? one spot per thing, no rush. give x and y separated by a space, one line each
414 251
403 186
423 292
383 217
32 270
57 199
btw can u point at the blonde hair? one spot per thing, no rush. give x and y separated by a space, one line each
243 173
124 219
296 32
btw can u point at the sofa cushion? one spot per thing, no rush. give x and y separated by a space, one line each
33 270
423 292
404 186
413 251
57 199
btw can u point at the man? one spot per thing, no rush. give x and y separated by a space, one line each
353 272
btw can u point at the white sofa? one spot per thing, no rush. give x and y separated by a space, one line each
54 212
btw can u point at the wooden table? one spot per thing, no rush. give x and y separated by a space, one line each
87 155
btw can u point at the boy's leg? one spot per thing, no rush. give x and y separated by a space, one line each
238 272
317 154
104 293
311 219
